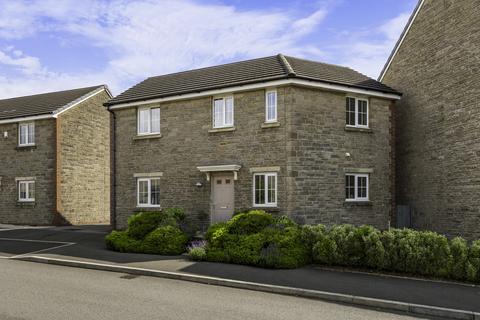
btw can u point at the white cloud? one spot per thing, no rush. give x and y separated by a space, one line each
146 37
369 56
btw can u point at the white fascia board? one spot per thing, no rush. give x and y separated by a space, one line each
400 40
26 119
75 103
228 167
267 84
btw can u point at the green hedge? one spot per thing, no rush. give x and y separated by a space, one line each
152 233
259 239
408 251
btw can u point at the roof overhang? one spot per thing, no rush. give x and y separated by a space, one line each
220 168
401 39
60 110
273 83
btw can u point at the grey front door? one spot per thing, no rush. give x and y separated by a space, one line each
222 197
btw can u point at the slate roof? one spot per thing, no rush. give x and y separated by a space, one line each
41 104
247 72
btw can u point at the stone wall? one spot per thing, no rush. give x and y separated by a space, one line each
309 146
318 142
37 162
438 145
84 163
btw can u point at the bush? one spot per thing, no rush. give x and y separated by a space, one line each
166 240
150 232
196 250
257 238
141 224
473 265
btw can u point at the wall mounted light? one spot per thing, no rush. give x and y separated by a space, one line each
199 184
5 134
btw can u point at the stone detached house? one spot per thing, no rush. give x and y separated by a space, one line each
436 65
287 135
55 158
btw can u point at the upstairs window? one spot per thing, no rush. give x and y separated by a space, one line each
356 112
271 106
223 112
148 121
265 189
148 192
26 191
26 136
356 187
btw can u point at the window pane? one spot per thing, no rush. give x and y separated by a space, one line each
31 133
350 187
272 189
155 125
218 113
350 111
23 190
271 106
155 191
362 112
229 111
23 133
31 190
143 121
259 189
362 187
143 192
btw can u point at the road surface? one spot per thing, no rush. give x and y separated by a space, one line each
39 291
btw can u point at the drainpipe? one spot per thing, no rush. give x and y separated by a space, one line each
113 163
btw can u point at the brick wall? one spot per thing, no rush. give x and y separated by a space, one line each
37 162
438 144
84 163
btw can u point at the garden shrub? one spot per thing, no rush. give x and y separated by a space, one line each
257 238
141 224
150 232
165 240
473 265
196 250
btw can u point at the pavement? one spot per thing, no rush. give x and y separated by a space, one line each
85 245
55 292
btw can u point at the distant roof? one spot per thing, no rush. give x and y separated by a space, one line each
247 72
41 104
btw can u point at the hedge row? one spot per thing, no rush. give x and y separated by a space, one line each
259 239
415 252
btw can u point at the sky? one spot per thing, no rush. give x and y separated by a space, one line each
50 45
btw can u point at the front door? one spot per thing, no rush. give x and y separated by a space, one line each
222 197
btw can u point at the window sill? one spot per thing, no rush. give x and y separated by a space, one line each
227 129
151 208
266 125
358 129
266 208
147 136
26 147
358 203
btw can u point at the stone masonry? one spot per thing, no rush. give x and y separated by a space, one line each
309 146
437 68
83 163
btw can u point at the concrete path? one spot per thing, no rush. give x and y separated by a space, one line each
86 244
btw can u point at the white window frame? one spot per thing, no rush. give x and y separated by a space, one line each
149 131
266 174
28 142
27 190
149 204
357 125
356 190
266 106
224 123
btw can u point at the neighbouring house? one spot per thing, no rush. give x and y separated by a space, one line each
282 134
55 158
436 65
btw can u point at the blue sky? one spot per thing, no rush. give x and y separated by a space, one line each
48 45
